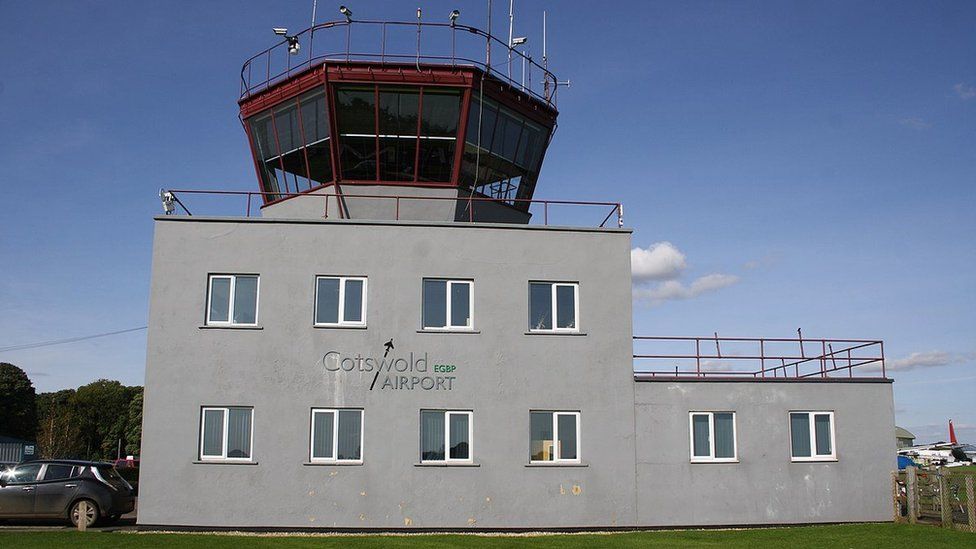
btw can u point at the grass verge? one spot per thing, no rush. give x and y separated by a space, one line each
850 535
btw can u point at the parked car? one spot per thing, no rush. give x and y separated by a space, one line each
50 489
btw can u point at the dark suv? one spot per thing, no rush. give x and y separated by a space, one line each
55 489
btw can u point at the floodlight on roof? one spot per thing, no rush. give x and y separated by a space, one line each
518 41
280 31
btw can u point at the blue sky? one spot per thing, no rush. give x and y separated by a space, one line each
811 165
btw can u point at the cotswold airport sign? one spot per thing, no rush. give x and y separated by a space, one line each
398 373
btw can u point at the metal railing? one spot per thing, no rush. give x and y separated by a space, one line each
338 200
758 358
277 63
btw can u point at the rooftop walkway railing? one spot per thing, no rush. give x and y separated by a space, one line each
385 42
541 210
757 359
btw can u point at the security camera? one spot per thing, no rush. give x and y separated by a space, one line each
519 41
454 15
346 11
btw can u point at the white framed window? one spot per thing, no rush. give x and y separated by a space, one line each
448 304
336 435
712 436
446 436
553 307
340 301
232 300
812 436
225 433
554 437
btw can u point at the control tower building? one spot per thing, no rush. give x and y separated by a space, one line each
393 332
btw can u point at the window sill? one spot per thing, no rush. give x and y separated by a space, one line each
814 460
430 331
230 327
339 327
556 464
333 463
721 460
445 464
224 462
553 333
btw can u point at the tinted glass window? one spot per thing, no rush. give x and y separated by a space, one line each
322 425
213 432
398 112
239 433
435 303
246 300
356 120
566 306
109 473
291 144
460 304
354 301
541 436
327 301
540 306
460 445
567 436
700 435
431 435
502 159
800 434
724 435
822 427
25 473
57 471
219 299
350 434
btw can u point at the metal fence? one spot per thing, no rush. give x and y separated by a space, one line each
385 42
757 358
543 208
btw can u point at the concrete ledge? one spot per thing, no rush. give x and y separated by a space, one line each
556 465
433 464
333 463
451 224
230 327
448 331
224 462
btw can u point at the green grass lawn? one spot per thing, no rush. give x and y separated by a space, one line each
854 535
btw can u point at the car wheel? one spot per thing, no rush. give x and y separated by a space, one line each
89 518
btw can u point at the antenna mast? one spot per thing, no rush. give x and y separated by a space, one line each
511 26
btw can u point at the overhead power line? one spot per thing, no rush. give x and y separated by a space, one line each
66 340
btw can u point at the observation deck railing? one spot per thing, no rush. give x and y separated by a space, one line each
757 359
435 43
536 206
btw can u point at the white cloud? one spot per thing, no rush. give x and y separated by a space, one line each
671 290
964 92
915 123
925 359
659 261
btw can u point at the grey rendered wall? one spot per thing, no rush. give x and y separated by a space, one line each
501 374
764 487
361 207
371 202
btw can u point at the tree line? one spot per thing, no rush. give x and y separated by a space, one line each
94 421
